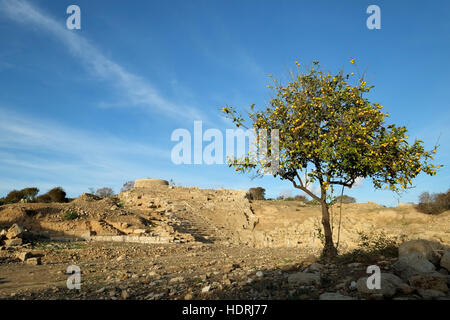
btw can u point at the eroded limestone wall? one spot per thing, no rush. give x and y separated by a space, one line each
228 211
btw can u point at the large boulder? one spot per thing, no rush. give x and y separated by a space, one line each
15 231
429 294
304 278
412 264
150 183
389 285
34 261
24 255
429 250
13 242
445 261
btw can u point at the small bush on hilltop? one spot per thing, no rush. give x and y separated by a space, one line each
434 203
345 199
45 198
57 195
258 193
296 198
127 186
313 202
54 195
29 193
15 196
104 192
301 198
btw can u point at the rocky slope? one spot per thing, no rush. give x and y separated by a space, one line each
164 242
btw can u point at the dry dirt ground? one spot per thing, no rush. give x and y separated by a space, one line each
139 271
197 257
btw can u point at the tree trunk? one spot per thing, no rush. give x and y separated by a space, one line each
329 250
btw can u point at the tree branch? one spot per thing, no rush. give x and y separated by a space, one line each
348 183
301 187
300 179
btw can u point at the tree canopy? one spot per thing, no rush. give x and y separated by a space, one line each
329 132
325 121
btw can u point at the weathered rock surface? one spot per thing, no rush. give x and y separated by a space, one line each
389 285
24 255
430 294
304 278
13 242
33 261
334 296
445 261
429 250
412 264
15 231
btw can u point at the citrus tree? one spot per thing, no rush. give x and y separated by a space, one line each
331 134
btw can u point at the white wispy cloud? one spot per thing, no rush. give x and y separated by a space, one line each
314 188
137 91
358 182
34 149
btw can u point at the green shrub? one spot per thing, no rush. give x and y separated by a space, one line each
30 193
57 195
45 198
434 203
313 202
15 196
371 246
70 215
54 195
296 198
258 193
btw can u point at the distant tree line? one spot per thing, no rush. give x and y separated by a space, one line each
259 193
56 194
434 203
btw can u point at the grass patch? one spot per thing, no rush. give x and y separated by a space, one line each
120 204
285 260
313 202
371 246
70 215
56 246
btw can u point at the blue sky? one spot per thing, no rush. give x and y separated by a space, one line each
96 107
